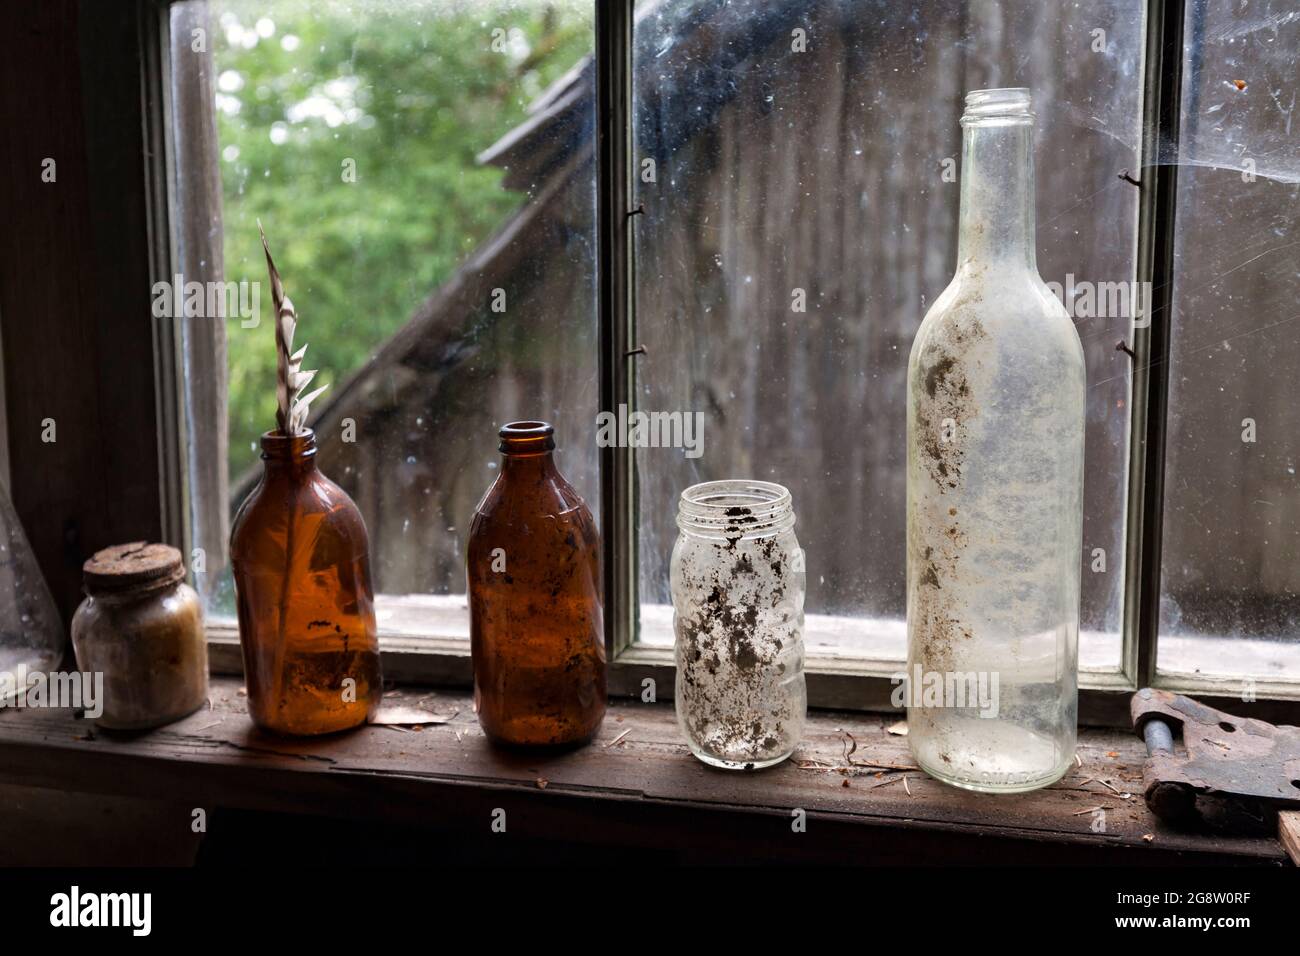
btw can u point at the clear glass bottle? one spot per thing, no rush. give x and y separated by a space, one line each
738 583
301 561
31 635
537 630
995 429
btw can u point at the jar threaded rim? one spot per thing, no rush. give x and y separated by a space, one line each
736 505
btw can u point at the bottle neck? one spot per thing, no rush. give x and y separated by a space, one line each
285 455
527 448
532 463
997 194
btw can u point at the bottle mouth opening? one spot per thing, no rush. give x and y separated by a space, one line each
276 444
527 438
1003 106
735 508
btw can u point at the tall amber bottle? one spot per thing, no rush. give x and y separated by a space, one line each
301 562
536 623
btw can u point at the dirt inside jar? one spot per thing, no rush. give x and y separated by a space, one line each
739 600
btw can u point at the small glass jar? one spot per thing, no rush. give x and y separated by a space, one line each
141 626
738 584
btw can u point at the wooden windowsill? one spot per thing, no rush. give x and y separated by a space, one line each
635 786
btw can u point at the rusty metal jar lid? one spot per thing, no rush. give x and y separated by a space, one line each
138 567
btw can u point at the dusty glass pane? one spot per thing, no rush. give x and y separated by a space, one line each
424 171
1231 557
798 166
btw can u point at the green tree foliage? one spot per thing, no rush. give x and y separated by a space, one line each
403 93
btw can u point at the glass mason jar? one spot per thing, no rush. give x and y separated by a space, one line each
738 585
301 562
533 572
995 424
141 627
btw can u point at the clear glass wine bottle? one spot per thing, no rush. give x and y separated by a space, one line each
995 435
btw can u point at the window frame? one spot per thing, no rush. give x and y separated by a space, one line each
441 655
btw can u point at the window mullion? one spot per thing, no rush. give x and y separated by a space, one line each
617 367
1155 263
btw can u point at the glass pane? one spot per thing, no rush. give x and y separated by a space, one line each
797 165
424 170
1230 590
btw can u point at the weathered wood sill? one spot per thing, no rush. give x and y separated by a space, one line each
635 786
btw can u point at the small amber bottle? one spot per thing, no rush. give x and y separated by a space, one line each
301 561
536 626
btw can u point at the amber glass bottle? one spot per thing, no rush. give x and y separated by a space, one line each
301 561
536 627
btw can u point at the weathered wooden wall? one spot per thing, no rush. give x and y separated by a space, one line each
1231 559
823 172
427 420
777 171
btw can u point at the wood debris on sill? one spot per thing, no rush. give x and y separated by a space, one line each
855 769
1122 794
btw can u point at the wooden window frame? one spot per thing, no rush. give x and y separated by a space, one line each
172 233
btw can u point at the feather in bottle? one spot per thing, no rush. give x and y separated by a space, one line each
292 407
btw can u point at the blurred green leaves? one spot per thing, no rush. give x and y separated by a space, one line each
404 94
